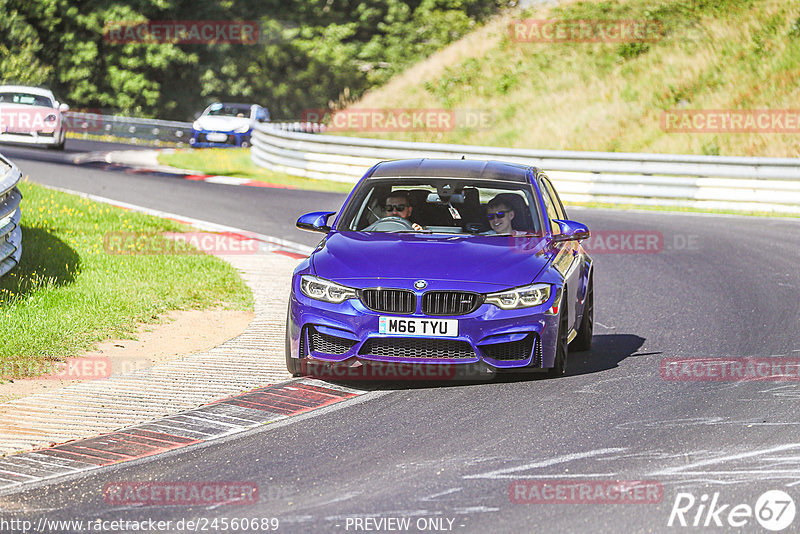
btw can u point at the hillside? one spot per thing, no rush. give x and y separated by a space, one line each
610 96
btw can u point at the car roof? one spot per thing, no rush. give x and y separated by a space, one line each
235 104
453 168
28 89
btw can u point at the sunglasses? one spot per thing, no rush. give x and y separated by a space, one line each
499 215
395 207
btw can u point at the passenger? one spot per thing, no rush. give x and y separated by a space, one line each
399 205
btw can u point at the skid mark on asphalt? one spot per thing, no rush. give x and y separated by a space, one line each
703 421
214 421
779 462
517 472
440 494
762 459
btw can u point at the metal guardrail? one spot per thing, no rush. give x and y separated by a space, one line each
10 214
156 131
159 132
717 182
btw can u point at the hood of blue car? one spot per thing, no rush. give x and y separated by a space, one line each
362 259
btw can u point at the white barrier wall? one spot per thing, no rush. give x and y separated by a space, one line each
737 183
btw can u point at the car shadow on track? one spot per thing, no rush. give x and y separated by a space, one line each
607 352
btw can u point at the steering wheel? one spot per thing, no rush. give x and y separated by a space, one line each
389 224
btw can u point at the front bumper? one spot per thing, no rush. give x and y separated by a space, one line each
200 139
488 336
34 138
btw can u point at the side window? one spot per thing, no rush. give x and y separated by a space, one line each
555 198
551 210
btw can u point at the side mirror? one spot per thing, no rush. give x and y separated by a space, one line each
571 231
63 107
316 221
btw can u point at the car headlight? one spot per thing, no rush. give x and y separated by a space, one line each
520 297
196 125
243 129
325 290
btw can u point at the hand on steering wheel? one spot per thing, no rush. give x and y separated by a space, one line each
390 224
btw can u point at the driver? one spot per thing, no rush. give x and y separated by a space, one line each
398 204
500 214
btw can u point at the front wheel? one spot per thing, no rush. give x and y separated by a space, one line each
292 364
583 341
562 350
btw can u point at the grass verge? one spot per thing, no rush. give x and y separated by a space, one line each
236 162
67 293
610 96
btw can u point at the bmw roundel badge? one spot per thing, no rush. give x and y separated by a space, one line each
420 284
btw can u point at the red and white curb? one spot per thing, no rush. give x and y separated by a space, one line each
233 415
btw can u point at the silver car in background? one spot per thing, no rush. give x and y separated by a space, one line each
31 115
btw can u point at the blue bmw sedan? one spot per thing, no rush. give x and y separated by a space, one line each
443 262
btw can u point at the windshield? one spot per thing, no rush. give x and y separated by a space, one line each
442 205
228 110
26 99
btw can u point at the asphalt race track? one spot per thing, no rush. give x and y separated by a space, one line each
264 210
445 455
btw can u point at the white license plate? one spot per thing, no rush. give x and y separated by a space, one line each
215 137
413 326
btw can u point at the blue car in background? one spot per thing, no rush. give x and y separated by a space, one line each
441 283
227 125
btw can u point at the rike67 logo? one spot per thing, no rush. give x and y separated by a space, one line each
774 510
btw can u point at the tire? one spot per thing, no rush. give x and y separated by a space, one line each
583 341
562 350
292 364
